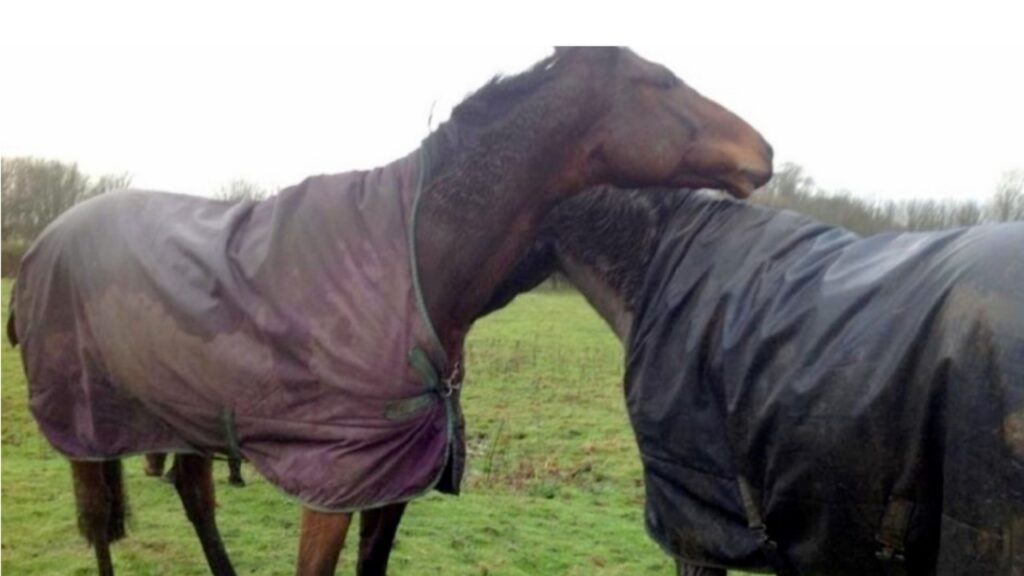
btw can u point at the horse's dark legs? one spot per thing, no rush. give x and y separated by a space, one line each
193 478
235 472
691 570
376 535
320 542
99 496
155 463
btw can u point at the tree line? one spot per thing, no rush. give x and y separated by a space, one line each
791 188
35 191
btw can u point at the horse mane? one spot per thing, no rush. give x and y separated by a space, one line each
493 100
481 109
496 104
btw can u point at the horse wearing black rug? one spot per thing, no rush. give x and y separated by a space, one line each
806 400
298 331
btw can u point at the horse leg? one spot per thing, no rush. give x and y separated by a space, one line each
235 472
155 463
99 496
376 536
320 542
193 479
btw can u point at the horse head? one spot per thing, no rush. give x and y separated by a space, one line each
648 127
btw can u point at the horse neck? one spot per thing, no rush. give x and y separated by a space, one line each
605 298
605 240
481 210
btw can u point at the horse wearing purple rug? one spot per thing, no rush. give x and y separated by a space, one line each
319 333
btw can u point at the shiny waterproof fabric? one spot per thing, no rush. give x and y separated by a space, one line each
868 391
281 328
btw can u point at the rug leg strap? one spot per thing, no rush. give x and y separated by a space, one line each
892 534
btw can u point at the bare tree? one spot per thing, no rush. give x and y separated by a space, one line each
965 214
924 215
238 190
791 188
787 182
1008 202
35 191
887 216
111 182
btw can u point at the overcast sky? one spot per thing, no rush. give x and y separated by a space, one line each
918 119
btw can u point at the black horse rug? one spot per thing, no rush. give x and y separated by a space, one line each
804 397
287 330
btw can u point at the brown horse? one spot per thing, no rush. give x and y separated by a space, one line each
789 419
251 321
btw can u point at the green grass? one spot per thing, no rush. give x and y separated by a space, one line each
553 484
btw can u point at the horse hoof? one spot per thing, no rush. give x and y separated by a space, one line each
238 482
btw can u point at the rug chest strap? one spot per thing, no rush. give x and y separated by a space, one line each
769 547
421 363
227 419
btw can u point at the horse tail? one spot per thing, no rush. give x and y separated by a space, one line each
12 330
12 327
101 501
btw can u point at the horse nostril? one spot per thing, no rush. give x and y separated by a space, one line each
769 152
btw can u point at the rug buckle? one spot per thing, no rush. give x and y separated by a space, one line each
453 382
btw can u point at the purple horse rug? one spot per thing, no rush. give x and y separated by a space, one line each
288 331
804 397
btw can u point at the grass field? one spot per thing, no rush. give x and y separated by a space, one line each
553 484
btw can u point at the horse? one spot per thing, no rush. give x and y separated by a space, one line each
319 333
806 400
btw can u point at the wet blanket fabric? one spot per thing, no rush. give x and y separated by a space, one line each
281 329
809 400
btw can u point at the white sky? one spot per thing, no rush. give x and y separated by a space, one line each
888 107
